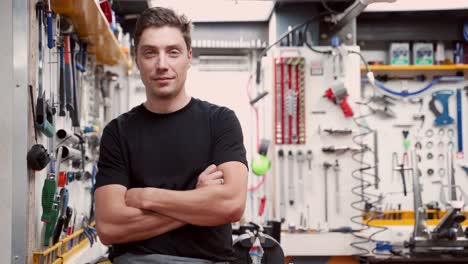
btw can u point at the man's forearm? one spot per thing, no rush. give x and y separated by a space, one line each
208 206
131 224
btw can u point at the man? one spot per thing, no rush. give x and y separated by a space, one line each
172 171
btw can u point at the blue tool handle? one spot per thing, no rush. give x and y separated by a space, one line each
50 34
84 54
78 65
459 121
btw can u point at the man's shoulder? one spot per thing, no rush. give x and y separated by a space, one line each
123 119
214 110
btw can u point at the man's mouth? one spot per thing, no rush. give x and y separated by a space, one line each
163 78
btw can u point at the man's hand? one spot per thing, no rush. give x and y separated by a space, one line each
210 176
134 197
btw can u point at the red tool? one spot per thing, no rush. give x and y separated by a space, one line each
338 94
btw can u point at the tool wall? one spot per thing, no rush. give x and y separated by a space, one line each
345 151
72 98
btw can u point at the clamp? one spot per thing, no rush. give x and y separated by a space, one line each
442 118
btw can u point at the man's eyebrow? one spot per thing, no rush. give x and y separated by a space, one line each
174 46
148 47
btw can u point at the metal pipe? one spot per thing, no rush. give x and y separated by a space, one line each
67 137
70 153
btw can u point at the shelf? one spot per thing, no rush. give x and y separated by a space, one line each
61 251
91 25
453 67
406 218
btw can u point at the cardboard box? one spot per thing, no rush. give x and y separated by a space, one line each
423 54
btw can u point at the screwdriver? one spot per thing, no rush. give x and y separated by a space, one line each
50 38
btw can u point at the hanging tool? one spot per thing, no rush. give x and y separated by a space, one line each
300 78
62 216
44 112
67 220
291 184
309 157
93 183
442 118
376 160
339 150
300 162
338 94
344 229
61 200
451 174
282 185
460 153
421 118
401 169
336 169
68 80
37 156
406 141
287 104
75 93
50 207
62 80
290 100
279 99
294 97
50 33
81 58
386 78
326 166
89 231
419 101
337 132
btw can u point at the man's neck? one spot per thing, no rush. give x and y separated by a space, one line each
169 105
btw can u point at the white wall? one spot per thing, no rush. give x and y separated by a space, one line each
6 130
225 88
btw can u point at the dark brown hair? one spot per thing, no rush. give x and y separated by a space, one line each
160 17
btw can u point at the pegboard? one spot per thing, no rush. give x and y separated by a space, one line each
100 92
317 67
378 132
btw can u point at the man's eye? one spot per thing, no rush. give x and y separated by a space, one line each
174 52
149 52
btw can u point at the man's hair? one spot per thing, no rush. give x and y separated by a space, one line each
160 17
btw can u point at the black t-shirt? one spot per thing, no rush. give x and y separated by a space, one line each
145 149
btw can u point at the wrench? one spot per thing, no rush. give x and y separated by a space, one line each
300 161
309 157
336 169
282 185
326 166
291 178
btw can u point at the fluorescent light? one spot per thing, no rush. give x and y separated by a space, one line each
418 5
219 10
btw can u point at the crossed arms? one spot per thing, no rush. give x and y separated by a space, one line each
141 213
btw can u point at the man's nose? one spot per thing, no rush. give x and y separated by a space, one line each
161 63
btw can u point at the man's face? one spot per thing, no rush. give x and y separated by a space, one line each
163 60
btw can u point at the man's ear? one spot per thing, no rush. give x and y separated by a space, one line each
190 56
136 59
